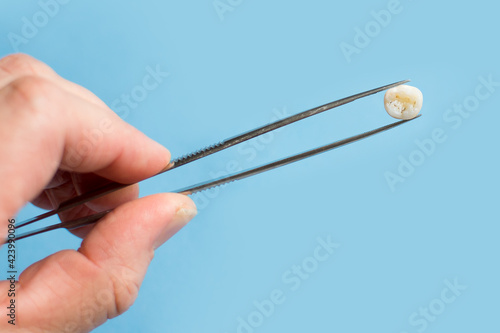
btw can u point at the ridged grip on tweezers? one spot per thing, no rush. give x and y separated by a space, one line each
188 158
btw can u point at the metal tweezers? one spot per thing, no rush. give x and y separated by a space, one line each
111 187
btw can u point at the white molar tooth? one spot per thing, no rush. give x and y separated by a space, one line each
403 102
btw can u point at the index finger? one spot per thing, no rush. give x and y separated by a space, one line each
49 128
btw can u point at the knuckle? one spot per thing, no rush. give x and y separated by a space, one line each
22 64
112 297
126 298
33 95
126 288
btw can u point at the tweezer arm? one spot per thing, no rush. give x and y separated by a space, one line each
224 180
275 125
69 225
112 187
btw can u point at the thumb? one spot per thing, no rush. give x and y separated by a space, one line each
76 291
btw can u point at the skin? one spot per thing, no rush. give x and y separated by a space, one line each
44 124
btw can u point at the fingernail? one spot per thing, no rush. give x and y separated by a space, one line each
169 166
182 216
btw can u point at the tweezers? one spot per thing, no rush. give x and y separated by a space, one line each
111 187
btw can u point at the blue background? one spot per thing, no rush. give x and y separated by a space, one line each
236 71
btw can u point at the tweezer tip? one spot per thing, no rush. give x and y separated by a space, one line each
403 82
407 120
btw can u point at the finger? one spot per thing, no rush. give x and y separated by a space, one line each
65 185
84 183
43 201
43 136
102 278
61 179
126 241
74 184
20 65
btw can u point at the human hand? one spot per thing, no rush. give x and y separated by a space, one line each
58 140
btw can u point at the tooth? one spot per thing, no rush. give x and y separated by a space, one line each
403 102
